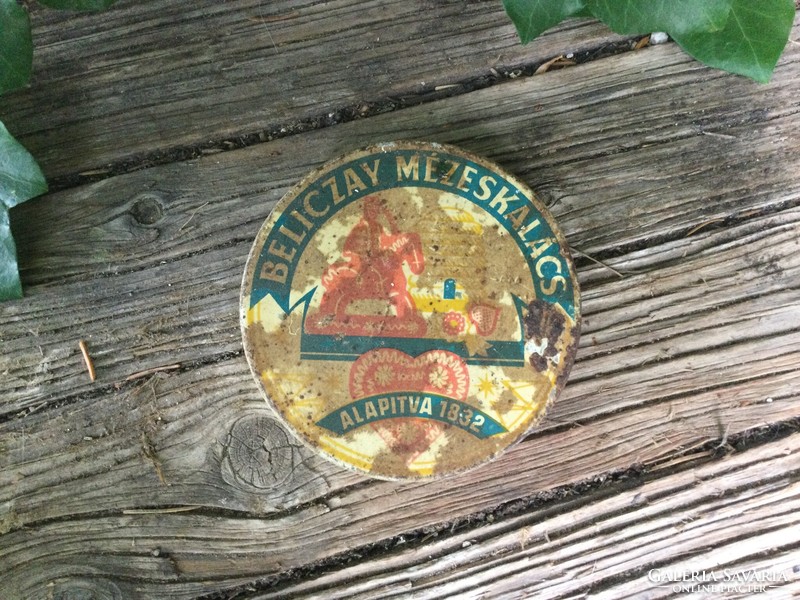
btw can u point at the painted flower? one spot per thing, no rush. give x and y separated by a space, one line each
384 375
438 377
453 323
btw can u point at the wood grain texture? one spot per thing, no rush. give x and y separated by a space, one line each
201 545
180 482
67 462
719 518
180 273
145 78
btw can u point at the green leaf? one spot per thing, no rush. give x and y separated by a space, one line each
89 5
20 176
10 286
532 17
673 16
751 41
20 179
16 49
740 36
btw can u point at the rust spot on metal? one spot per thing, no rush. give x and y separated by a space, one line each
545 325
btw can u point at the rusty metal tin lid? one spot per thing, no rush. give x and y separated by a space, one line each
410 310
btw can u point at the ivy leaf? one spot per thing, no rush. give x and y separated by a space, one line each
20 176
85 5
10 286
751 42
673 16
20 179
740 36
16 49
532 17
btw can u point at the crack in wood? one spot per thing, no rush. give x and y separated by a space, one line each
559 500
121 386
687 354
363 109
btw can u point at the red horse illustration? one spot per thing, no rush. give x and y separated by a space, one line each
372 269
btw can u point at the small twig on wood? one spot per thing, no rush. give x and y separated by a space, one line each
274 18
697 228
724 441
656 466
594 260
724 136
558 61
94 172
427 537
87 359
191 216
150 452
147 372
524 534
749 213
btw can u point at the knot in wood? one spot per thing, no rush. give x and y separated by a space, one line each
259 452
147 209
86 589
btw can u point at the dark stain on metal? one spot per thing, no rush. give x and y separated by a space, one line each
543 324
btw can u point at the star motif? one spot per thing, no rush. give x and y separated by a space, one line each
486 387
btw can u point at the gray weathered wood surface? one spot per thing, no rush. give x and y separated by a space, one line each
672 446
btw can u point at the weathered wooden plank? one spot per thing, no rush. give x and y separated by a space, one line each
199 422
649 318
719 519
198 218
207 551
146 78
701 342
639 414
646 138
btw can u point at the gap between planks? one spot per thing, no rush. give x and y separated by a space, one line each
727 514
140 69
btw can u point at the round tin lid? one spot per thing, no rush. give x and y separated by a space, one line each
410 310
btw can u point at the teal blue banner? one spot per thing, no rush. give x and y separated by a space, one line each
349 348
411 404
